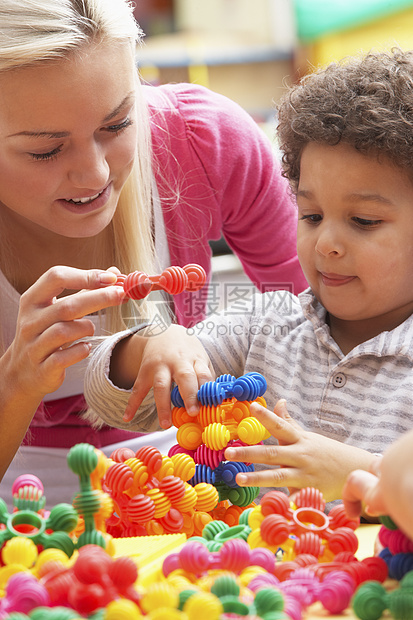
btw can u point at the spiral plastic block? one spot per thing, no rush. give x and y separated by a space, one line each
276 502
275 529
369 602
213 413
173 487
151 457
141 509
167 468
310 498
120 455
303 530
161 501
216 436
228 471
207 497
184 466
172 522
207 456
159 595
203 473
174 280
251 431
247 387
212 393
189 435
180 416
203 606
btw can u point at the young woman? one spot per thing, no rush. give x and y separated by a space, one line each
98 171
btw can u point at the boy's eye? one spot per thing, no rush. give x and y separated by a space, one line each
313 218
365 223
120 126
45 156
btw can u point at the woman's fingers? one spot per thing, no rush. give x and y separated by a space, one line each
48 327
62 335
60 278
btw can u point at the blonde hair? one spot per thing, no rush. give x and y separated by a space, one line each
36 31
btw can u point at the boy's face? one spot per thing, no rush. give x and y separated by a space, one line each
355 234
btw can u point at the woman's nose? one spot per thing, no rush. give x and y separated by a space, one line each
89 168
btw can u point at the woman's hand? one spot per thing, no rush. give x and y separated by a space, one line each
174 356
46 343
48 327
301 459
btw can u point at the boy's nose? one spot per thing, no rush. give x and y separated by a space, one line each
329 242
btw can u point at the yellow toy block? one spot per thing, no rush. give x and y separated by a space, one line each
148 552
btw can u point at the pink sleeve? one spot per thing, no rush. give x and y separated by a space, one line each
251 199
217 175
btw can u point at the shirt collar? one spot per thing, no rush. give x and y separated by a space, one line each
398 341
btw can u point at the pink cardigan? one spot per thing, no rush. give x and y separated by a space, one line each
229 184
216 175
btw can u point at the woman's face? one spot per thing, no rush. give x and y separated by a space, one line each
67 140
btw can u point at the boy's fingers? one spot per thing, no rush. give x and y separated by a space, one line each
281 411
263 454
277 477
360 486
376 466
278 427
203 372
187 382
162 392
139 391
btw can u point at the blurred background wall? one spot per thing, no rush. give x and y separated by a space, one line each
250 50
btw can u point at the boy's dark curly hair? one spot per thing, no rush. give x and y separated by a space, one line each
365 102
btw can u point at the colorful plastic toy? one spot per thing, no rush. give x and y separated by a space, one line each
83 460
173 280
397 549
94 580
151 494
224 419
28 493
371 600
52 531
303 527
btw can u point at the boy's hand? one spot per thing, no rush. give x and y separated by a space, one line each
173 356
363 487
301 458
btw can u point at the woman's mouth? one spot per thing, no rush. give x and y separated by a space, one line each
87 204
83 201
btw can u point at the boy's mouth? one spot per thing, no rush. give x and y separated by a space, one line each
335 279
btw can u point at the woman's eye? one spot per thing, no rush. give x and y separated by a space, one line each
120 126
46 156
365 223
